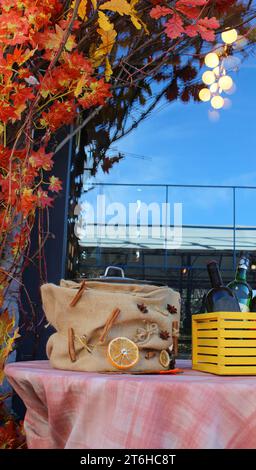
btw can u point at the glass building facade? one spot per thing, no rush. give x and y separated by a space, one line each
162 233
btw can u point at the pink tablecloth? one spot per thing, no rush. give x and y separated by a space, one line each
90 411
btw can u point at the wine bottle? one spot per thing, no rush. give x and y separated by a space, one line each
240 286
219 298
253 305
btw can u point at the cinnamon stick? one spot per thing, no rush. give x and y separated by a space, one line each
71 344
78 294
175 333
109 323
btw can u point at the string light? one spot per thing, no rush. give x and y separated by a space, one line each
229 36
216 80
211 60
217 102
208 77
225 82
205 94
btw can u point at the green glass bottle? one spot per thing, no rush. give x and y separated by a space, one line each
240 286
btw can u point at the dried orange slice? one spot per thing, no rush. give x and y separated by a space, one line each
123 353
164 358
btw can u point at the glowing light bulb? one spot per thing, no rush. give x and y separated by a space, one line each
229 36
211 60
208 77
225 82
214 88
217 102
216 71
205 94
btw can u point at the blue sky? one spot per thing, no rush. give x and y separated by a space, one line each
187 148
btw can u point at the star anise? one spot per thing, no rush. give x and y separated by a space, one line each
171 309
164 334
142 308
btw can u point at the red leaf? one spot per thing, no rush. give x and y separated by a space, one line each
41 159
189 12
210 23
174 27
191 30
43 199
55 184
158 12
191 3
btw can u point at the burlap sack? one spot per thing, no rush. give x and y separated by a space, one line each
147 314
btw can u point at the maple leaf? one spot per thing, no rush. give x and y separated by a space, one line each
51 40
191 30
27 202
55 184
41 159
206 27
159 12
189 12
210 23
99 91
174 27
20 242
192 3
53 118
43 199
123 7
6 325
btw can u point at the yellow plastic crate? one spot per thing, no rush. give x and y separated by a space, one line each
224 343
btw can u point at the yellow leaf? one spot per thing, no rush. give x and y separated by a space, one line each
108 40
108 70
104 22
118 6
80 84
94 4
136 21
82 9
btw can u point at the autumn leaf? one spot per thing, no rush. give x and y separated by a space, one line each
82 9
51 40
159 12
192 3
108 70
41 159
27 202
174 27
108 41
121 7
53 118
104 22
55 184
43 199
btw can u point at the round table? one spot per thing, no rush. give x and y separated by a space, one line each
110 411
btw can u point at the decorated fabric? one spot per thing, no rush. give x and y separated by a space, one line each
89 318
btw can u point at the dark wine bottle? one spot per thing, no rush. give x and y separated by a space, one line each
253 305
240 286
219 298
